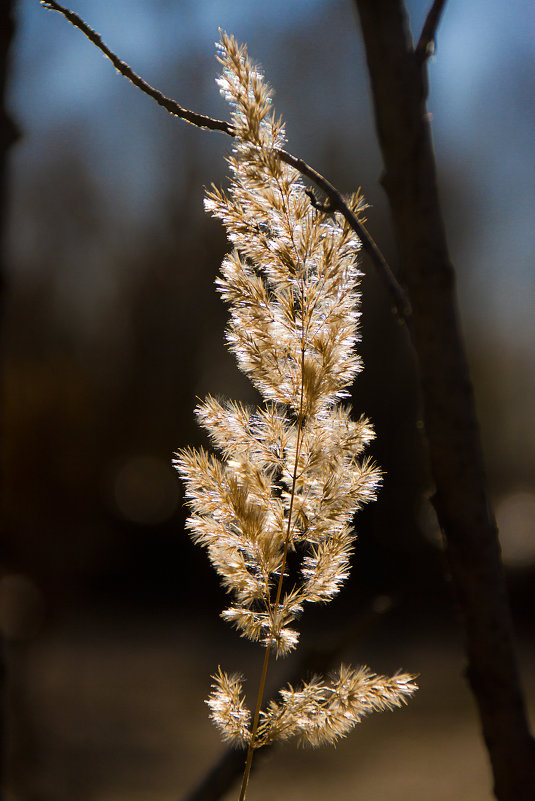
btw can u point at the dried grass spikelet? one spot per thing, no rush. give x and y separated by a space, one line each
227 707
290 475
323 711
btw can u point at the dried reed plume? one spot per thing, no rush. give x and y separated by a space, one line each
291 474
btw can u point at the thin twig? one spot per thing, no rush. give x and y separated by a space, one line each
199 120
426 43
336 201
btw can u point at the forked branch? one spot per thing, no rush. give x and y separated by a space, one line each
426 42
399 87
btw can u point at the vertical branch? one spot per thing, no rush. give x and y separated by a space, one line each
399 88
8 135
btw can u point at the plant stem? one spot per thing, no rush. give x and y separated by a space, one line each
275 605
251 749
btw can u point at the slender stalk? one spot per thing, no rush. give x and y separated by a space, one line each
275 605
251 749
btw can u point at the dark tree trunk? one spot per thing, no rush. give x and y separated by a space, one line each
399 88
8 131
7 137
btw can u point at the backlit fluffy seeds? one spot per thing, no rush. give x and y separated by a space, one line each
227 707
323 710
289 475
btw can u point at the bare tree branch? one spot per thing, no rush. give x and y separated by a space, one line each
399 87
426 42
337 202
199 120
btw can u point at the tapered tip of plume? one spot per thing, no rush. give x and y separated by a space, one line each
243 86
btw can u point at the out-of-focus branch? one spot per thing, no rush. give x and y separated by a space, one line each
336 200
8 135
426 42
399 87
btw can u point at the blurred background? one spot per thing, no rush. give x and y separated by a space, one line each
112 329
